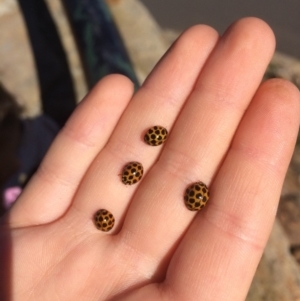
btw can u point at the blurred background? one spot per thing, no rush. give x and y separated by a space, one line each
147 28
282 16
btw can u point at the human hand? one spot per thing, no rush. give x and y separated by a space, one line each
226 129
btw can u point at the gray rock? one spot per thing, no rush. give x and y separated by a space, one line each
141 34
278 276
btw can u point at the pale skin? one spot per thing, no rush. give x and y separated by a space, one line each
227 129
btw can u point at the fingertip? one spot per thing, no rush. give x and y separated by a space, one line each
196 36
269 129
256 34
121 84
286 94
197 29
174 76
283 86
257 25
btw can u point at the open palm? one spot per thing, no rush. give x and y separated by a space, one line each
226 129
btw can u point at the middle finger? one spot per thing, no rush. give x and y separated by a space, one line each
157 103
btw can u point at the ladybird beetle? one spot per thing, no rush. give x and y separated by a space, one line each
132 173
104 220
196 196
156 135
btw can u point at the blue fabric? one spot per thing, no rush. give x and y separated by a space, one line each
56 86
37 136
99 42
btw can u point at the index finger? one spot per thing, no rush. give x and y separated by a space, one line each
51 190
